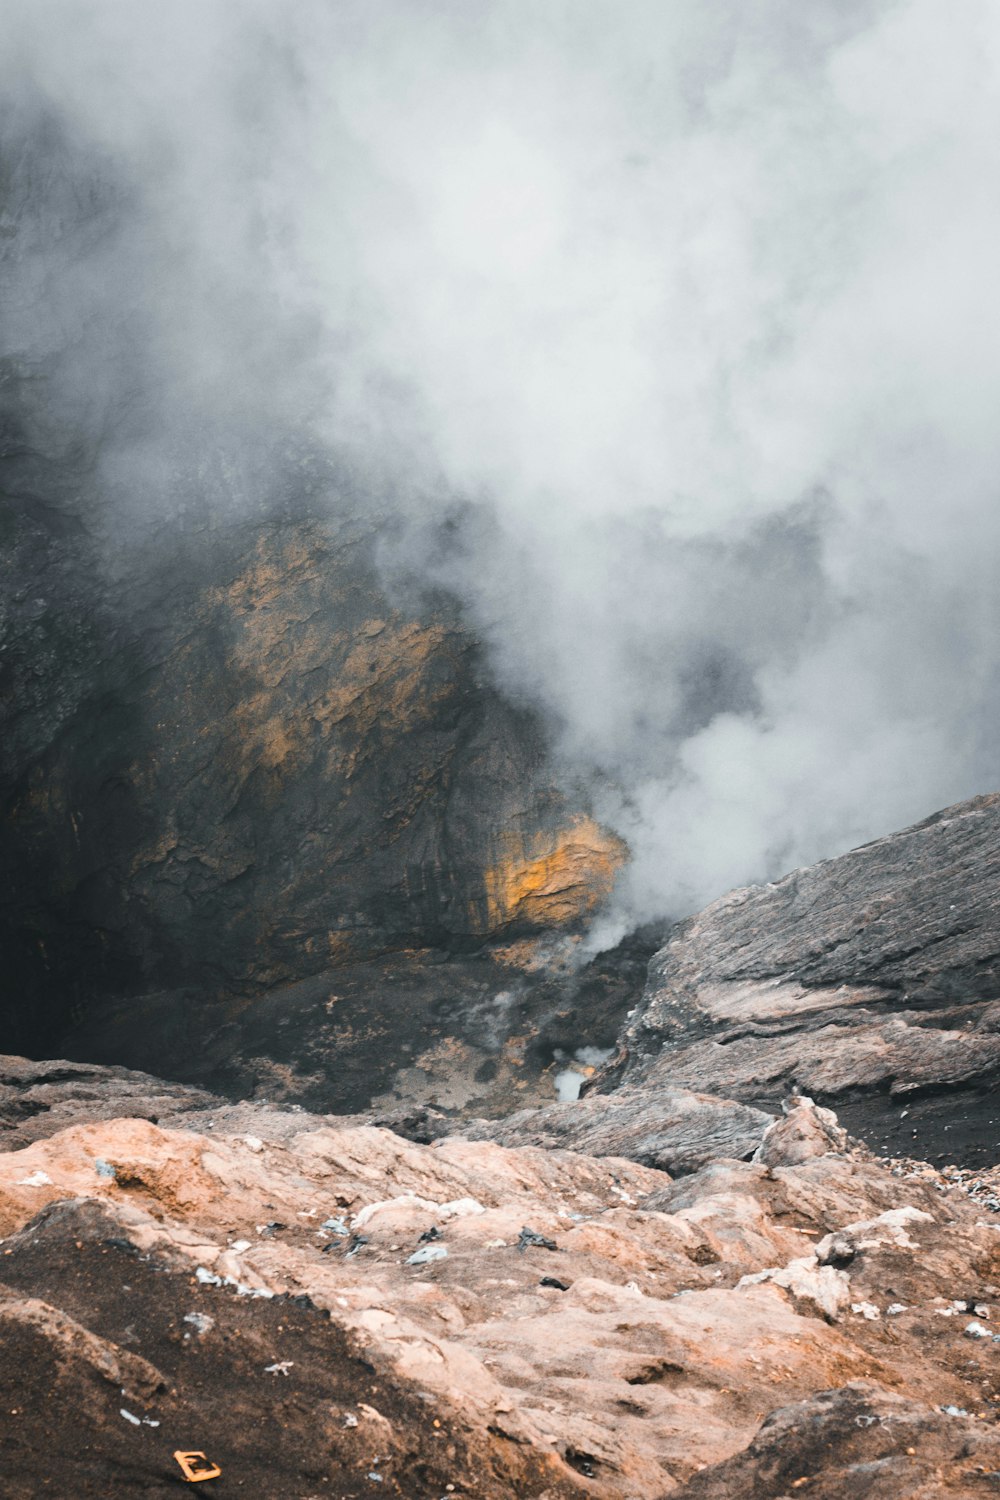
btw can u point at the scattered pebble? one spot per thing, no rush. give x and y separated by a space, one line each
428 1253
530 1237
201 1322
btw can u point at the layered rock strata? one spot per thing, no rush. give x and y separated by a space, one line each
233 755
871 981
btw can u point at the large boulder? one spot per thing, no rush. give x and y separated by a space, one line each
871 981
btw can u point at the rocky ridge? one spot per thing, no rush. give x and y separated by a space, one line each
543 1320
874 973
663 1288
870 982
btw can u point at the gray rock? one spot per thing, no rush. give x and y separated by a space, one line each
867 981
39 1098
671 1129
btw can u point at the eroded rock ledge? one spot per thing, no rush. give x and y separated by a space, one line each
871 981
312 1302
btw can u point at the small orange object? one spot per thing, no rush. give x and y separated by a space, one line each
195 1466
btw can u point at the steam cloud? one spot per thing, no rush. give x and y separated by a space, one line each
672 329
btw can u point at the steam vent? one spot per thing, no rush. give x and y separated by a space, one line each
499 792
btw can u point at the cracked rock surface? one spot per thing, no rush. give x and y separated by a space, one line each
871 982
700 1316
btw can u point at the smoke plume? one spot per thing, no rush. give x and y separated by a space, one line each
671 331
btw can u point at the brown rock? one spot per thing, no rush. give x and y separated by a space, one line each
803 1131
860 1442
694 1308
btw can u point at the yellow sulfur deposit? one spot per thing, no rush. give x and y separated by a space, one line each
552 879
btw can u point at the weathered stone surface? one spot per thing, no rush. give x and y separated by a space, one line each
229 759
272 1390
672 1129
859 1442
37 1099
692 1310
802 1133
870 977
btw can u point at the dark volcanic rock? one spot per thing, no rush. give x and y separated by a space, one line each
860 1442
865 979
466 1033
670 1129
272 770
229 760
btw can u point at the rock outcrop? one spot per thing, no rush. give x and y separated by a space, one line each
871 981
467 1034
232 756
311 1303
674 1130
860 1442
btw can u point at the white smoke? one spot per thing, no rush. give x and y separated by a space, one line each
675 329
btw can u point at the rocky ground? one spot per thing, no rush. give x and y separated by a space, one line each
463 1033
694 1281
325 1308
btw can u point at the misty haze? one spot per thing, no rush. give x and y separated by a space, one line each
499 706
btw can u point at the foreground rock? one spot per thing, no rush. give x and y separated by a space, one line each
861 1442
271 1390
871 981
673 1129
575 1324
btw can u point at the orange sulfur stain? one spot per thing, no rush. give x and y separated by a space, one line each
553 879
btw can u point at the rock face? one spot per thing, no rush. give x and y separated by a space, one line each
310 1303
871 981
467 1034
671 1129
271 771
229 758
